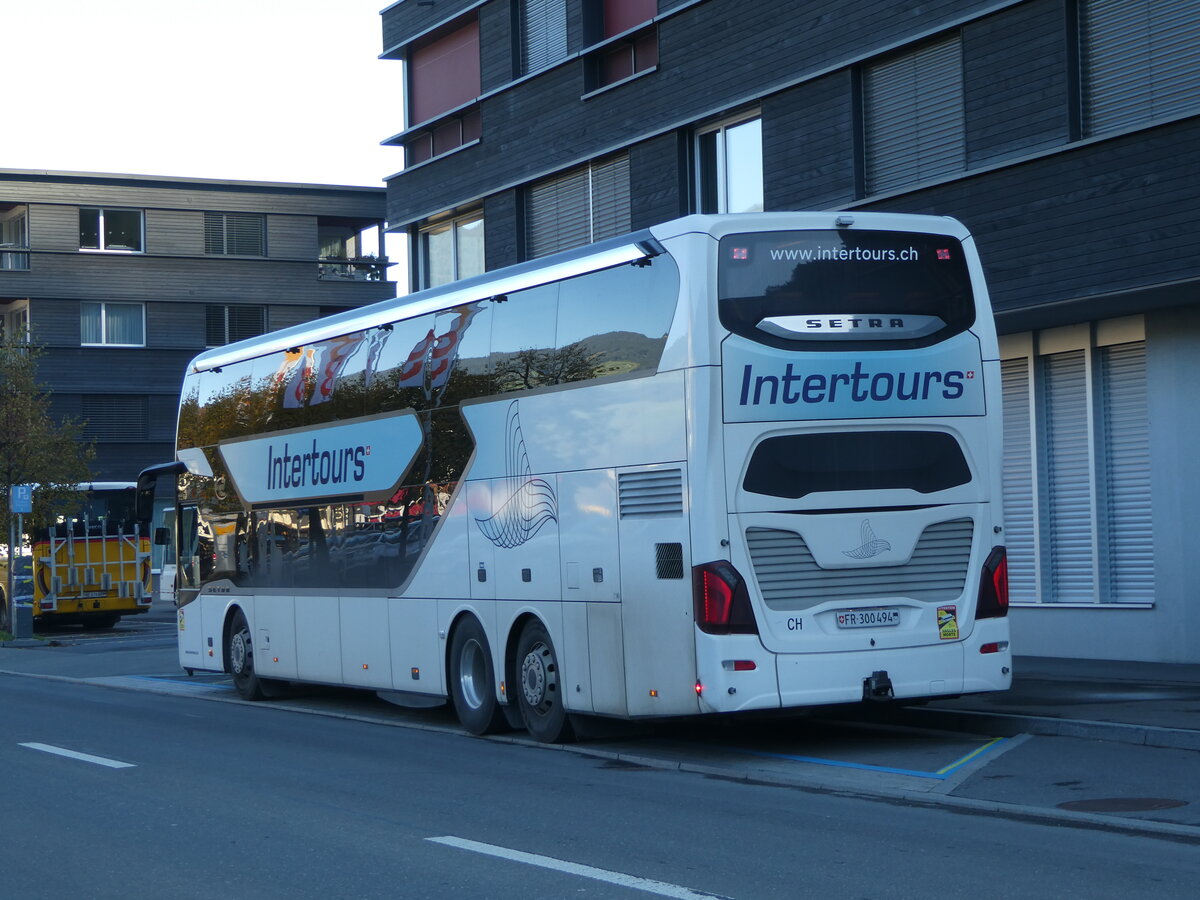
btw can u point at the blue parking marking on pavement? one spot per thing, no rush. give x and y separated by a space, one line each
188 684
940 775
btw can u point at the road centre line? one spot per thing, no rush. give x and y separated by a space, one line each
661 888
84 757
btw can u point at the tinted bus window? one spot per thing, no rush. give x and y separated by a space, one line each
796 465
843 290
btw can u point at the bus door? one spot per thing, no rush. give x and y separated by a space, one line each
186 586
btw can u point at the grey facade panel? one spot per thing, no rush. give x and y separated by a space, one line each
140 192
496 53
808 145
292 237
1015 82
1103 218
52 227
503 227
657 181
105 276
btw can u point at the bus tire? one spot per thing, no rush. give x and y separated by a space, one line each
540 696
239 659
473 680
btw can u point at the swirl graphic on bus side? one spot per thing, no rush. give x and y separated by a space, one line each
531 502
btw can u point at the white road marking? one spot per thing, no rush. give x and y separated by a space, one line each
85 757
662 888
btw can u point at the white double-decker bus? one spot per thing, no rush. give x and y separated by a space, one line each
727 463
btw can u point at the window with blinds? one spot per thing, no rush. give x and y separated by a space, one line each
1076 476
1140 61
235 234
584 205
543 33
913 122
115 417
226 324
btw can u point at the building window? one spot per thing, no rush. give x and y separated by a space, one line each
347 249
112 324
14 237
584 205
1140 61
542 32
913 121
443 78
14 320
226 324
110 229
622 47
115 417
1076 477
729 167
235 234
451 250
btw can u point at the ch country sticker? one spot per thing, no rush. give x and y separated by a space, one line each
947 621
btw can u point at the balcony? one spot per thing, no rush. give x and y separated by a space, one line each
360 268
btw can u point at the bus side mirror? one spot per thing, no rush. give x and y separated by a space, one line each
162 537
147 481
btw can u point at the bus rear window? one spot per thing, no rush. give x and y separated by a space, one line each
796 465
843 290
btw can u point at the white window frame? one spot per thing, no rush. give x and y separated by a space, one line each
15 316
100 230
720 131
1032 348
453 225
104 304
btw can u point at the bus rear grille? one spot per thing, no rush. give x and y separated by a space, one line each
654 493
790 578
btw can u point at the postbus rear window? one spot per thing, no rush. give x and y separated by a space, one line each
843 290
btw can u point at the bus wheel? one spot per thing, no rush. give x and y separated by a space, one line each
239 658
540 696
472 680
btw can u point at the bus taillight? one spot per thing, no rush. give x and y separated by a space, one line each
721 601
993 586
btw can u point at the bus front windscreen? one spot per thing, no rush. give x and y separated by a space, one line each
843 289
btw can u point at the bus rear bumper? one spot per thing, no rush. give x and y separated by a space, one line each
980 662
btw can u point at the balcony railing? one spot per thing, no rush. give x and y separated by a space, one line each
363 268
13 258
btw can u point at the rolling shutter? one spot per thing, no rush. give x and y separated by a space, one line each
610 198
584 205
1019 533
1141 61
913 116
115 417
543 33
1068 478
1130 557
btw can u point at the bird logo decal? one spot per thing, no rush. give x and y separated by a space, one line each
531 502
871 545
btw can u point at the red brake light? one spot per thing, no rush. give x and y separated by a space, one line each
993 586
721 601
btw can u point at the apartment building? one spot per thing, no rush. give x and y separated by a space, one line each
125 278
1064 133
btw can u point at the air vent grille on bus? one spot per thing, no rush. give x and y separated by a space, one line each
654 493
790 578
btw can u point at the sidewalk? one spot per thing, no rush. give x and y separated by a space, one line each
1157 704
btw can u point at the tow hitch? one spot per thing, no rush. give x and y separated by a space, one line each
878 687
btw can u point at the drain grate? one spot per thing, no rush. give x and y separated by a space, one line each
1122 804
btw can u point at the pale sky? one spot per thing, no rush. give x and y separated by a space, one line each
256 90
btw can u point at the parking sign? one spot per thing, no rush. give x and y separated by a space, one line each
21 498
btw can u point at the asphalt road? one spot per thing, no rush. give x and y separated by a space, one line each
236 800
150 793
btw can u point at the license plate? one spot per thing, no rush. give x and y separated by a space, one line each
868 618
